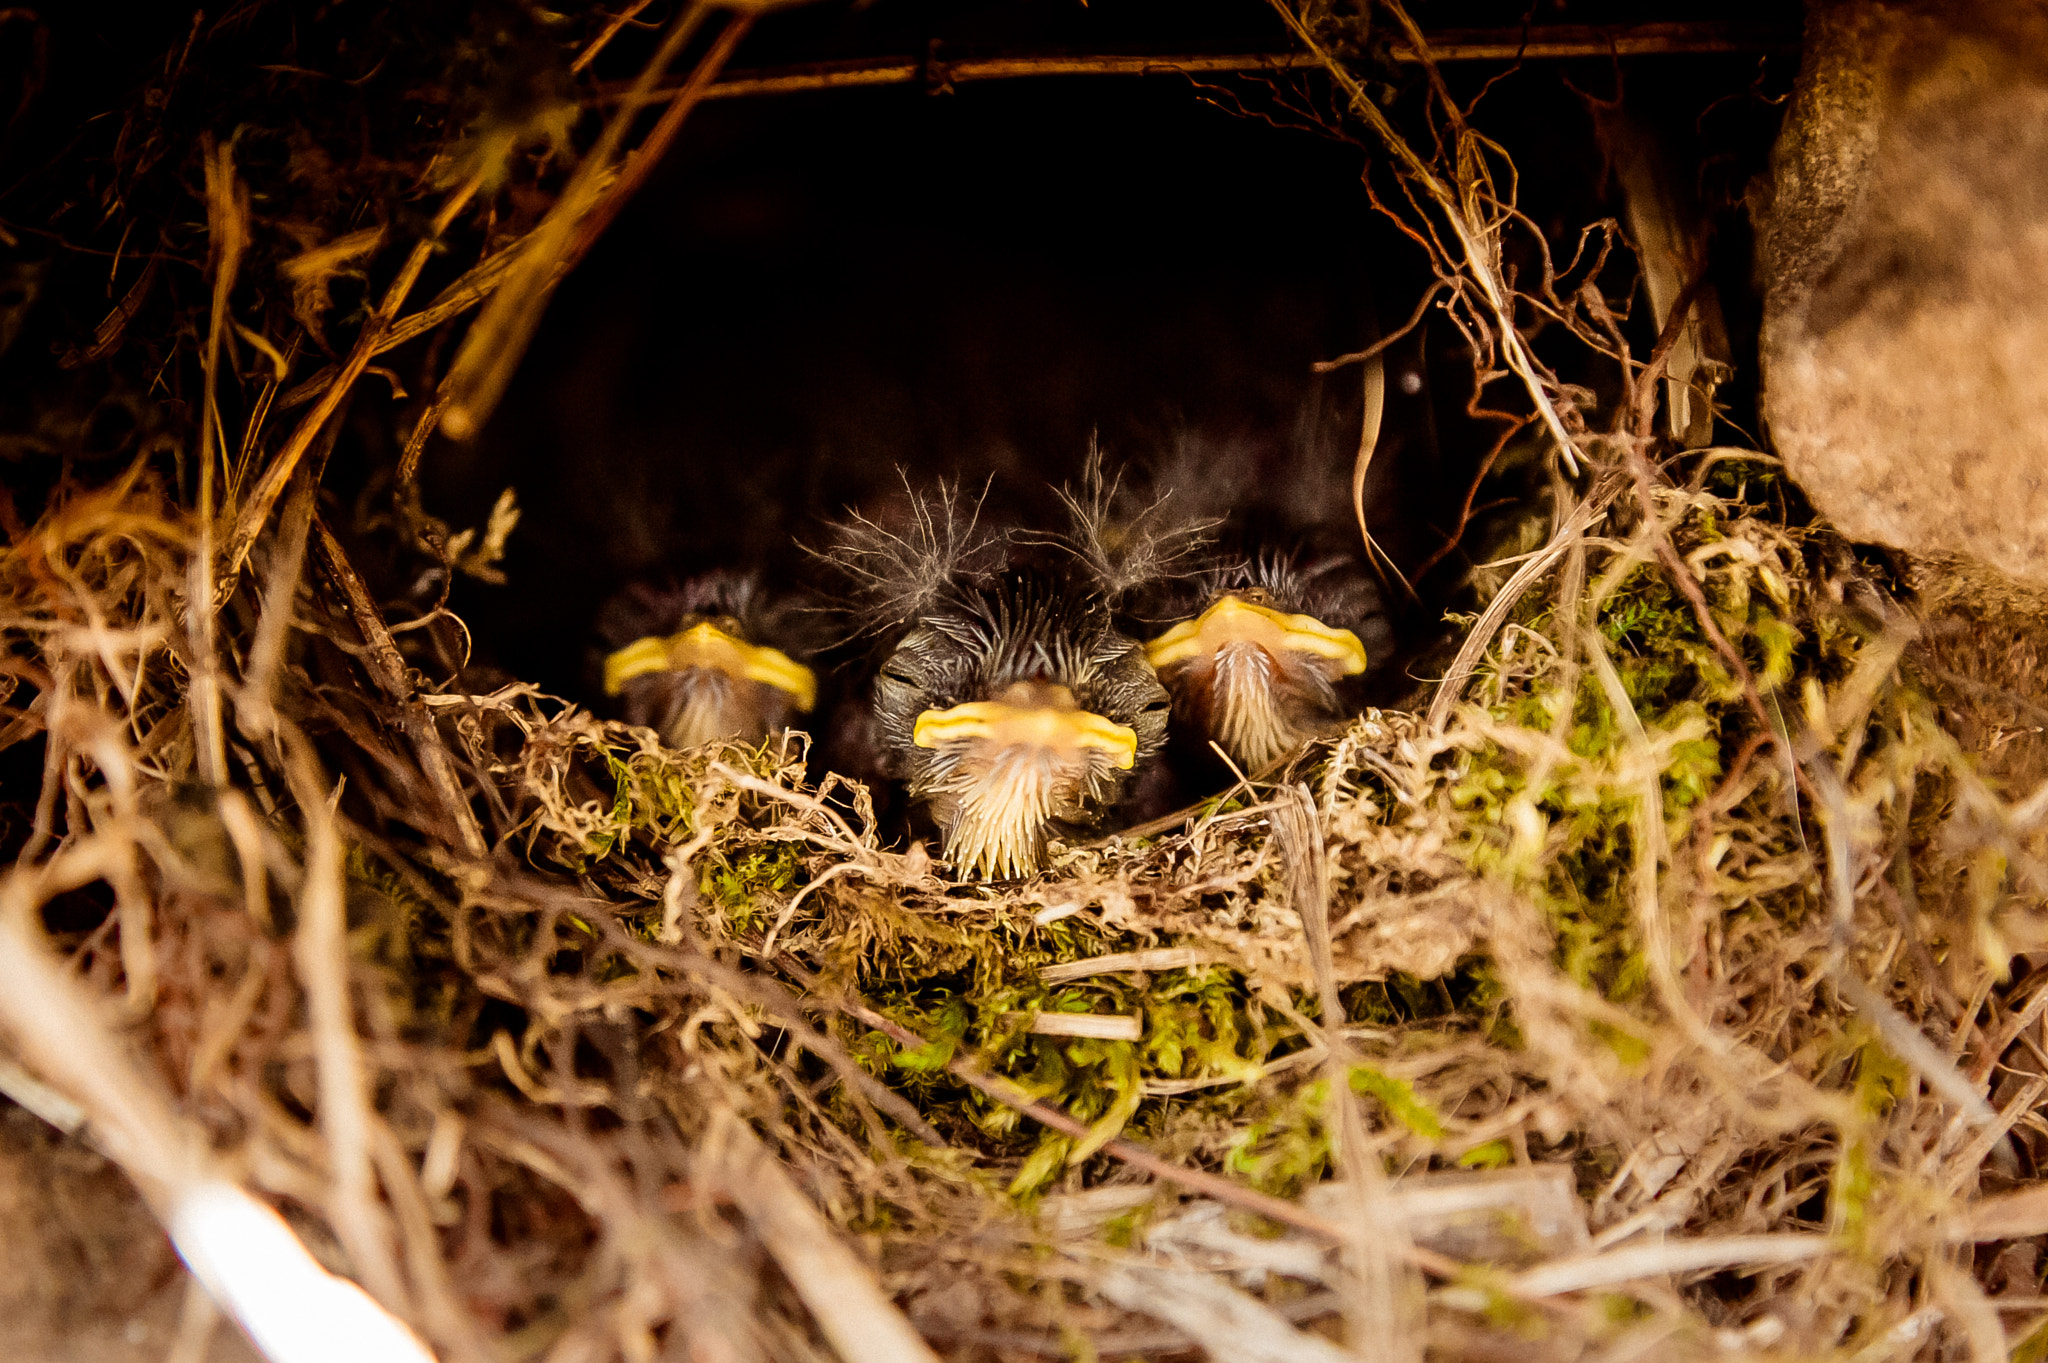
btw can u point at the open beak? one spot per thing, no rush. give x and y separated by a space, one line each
716 684
1233 620
705 645
1002 725
1005 771
1255 676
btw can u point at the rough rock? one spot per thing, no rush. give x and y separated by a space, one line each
1903 253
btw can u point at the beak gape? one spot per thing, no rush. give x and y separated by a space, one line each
1256 680
1003 772
704 685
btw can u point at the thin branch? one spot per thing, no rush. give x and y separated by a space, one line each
1551 42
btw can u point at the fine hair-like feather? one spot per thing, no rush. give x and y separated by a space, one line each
902 563
1127 540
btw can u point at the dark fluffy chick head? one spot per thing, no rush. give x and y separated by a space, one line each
1261 645
1014 709
708 660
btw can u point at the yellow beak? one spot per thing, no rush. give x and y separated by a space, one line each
1234 620
706 645
1028 725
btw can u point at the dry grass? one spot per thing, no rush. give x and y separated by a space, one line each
1662 984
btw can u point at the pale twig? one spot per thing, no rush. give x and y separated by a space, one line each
1504 601
1226 1323
320 950
1901 1037
1378 1314
68 1037
1478 244
708 1290
227 213
1374 408
1638 1262
852 1312
609 32
441 1310
1150 959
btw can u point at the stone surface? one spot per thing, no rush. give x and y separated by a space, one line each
1903 253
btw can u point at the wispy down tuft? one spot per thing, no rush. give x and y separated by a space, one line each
1125 539
905 559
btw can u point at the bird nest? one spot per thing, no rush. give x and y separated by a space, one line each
1663 979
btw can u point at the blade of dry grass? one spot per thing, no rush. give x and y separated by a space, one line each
1378 1291
498 338
255 510
1477 241
387 668
849 1306
1640 1262
1480 637
1224 1322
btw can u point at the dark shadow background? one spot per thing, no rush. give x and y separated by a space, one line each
819 290
815 291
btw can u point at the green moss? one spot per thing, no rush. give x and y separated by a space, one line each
2033 1348
1632 1050
1491 1155
1849 1197
1288 1149
1400 1100
737 885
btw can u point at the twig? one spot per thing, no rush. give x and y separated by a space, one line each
862 1324
256 510
475 285
1377 1313
1901 1037
227 213
1226 1323
789 1014
320 950
66 1035
1618 1266
387 669
1555 42
610 31
1504 601
1195 1180
498 338
1480 261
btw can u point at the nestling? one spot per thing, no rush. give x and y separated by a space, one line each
1260 664
700 662
1258 637
1008 703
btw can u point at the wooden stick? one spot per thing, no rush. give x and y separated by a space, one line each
1549 42
387 669
256 511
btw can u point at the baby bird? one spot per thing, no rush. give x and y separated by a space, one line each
1264 644
1257 637
1009 704
695 662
